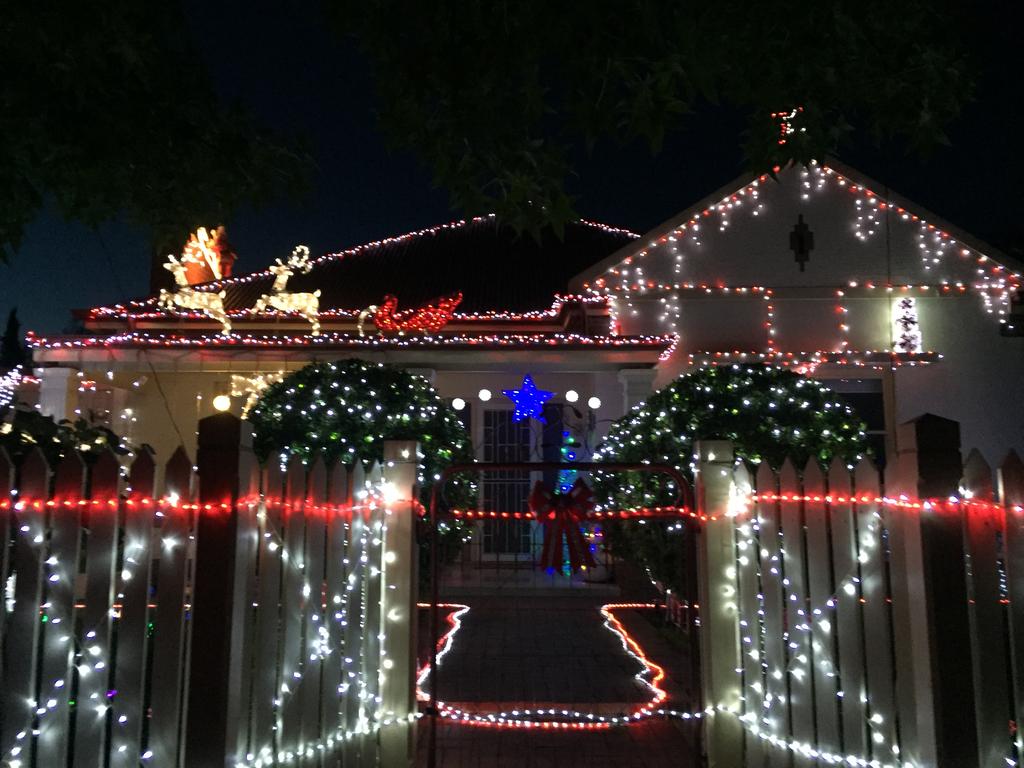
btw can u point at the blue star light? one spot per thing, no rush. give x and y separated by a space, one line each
528 400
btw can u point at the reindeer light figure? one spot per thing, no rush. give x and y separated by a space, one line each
186 297
307 305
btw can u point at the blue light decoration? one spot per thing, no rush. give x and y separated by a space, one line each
566 477
528 401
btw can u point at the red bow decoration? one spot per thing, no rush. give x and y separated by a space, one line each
562 514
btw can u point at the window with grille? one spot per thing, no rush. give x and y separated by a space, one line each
865 397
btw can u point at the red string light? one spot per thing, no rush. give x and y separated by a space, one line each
953 503
620 514
429 319
651 675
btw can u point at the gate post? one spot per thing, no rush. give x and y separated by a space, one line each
225 546
398 611
930 600
719 617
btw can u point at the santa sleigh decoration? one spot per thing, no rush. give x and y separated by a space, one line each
389 320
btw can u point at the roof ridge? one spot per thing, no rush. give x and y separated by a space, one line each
216 285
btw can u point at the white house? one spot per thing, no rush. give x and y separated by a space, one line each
817 269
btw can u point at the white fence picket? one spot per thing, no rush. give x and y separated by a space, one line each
371 633
95 636
877 615
170 629
21 642
776 715
132 636
267 685
58 647
984 531
751 645
6 515
821 590
1011 495
848 622
243 736
355 602
295 601
794 563
312 693
334 589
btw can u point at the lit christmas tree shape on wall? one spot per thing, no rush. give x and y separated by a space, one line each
906 328
528 401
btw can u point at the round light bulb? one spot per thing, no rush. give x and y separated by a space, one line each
484 395
458 403
594 402
572 396
222 402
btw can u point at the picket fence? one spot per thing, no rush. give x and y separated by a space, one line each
238 621
866 627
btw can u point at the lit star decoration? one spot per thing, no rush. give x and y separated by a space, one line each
528 401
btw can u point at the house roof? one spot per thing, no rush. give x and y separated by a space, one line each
586 276
494 267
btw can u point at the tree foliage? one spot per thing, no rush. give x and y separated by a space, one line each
12 347
768 413
495 96
107 111
22 429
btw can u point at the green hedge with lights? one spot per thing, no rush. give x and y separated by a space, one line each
344 411
768 413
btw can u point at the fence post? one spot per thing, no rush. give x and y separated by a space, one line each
930 610
398 613
719 637
225 541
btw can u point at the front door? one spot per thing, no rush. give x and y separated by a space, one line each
505 491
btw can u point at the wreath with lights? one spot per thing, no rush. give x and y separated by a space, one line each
344 411
768 413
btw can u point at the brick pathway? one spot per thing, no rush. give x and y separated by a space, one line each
553 651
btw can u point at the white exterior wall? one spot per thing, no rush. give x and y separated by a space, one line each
978 381
737 247
161 413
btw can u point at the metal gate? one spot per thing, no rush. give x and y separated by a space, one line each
501 471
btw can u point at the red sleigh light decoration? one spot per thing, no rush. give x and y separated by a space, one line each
562 515
428 319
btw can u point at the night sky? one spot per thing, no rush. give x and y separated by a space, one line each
287 67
